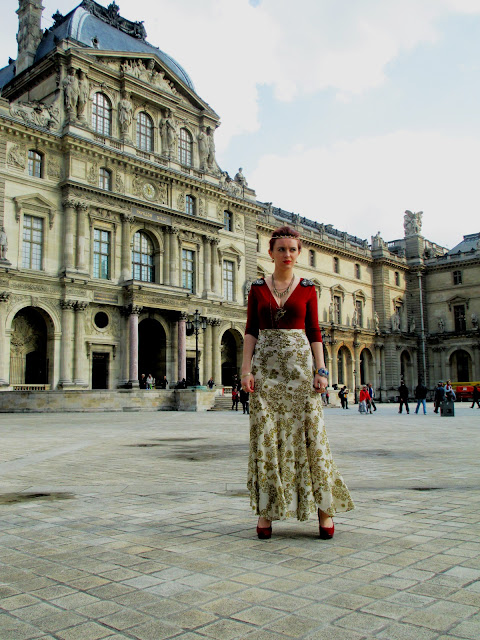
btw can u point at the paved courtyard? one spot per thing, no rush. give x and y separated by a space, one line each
137 525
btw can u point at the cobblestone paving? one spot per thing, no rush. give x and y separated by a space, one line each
137 525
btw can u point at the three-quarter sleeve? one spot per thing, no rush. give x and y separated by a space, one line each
253 323
312 329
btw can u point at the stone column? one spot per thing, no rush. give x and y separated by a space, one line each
166 255
134 312
126 260
217 273
4 356
68 307
174 258
182 346
207 267
207 353
356 362
216 352
69 206
82 209
80 375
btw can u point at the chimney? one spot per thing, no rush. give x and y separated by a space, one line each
29 32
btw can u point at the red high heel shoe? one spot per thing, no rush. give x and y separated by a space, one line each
264 533
326 533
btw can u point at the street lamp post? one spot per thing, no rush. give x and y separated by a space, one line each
380 385
355 385
194 326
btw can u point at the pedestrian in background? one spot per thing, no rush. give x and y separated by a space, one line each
244 399
150 381
403 393
363 399
235 398
439 396
476 396
420 396
371 393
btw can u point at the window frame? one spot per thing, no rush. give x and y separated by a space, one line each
228 220
337 309
185 147
101 114
100 253
359 310
34 162
189 259
457 276
32 243
104 179
460 321
143 267
190 204
145 132
228 283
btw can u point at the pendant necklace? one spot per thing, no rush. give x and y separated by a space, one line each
281 311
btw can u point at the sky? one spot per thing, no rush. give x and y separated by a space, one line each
347 112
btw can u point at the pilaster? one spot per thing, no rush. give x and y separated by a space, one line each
80 375
66 348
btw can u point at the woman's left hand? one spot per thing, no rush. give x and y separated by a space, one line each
320 383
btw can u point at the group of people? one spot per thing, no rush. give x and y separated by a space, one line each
366 400
148 382
443 391
239 395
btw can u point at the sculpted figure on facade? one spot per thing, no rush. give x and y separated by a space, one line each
37 113
474 320
3 244
412 324
168 133
211 148
240 178
203 148
441 325
396 321
83 94
412 223
16 156
125 114
70 92
376 321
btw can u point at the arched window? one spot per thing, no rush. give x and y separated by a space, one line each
144 132
397 279
336 265
311 258
185 148
142 258
105 179
228 221
101 114
35 164
190 205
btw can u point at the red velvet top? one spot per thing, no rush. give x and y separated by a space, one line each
301 310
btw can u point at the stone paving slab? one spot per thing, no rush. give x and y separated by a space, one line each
138 526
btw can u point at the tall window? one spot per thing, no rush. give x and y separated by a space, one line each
359 310
228 221
144 132
228 279
35 164
32 242
258 242
357 271
105 179
190 205
336 265
397 279
188 270
311 258
101 114
337 309
101 254
185 148
142 258
457 277
459 317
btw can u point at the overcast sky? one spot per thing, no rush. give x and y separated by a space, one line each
344 111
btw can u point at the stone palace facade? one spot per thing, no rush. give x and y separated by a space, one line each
117 224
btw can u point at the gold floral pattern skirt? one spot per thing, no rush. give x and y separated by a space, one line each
291 471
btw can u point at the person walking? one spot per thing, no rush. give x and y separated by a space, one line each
245 401
210 384
439 396
371 393
420 397
291 472
403 393
363 400
476 396
341 395
235 398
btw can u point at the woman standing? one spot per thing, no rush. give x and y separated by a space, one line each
291 472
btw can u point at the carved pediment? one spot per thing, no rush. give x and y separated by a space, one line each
458 300
34 203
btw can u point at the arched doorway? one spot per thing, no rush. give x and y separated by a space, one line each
30 347
231 355
344 367
366 367
152 349
461 366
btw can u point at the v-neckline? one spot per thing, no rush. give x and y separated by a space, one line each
291 293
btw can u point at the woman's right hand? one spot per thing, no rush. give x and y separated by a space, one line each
248 383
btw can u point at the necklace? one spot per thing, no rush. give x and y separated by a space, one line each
281 294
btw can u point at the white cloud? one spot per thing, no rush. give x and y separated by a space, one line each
365 185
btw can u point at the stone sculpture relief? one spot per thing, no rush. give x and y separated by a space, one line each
441 325
474 320
76 91
148 73
396 321
412 324
376 321
37 113
203 148
125 114
240 178
17 156
168 133
54 170
412 223
3 244
111 15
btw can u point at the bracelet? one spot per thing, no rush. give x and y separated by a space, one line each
249 373
322 372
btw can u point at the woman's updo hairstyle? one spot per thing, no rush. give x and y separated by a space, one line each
285 232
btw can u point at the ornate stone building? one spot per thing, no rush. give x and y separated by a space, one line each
118 224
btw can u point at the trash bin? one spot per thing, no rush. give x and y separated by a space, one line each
447 408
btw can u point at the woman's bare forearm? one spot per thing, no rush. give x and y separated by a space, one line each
317 350
249 343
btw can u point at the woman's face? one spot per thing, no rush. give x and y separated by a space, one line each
285 253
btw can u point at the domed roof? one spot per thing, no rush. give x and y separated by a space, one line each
98 27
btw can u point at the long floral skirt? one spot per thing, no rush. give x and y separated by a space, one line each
291 471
